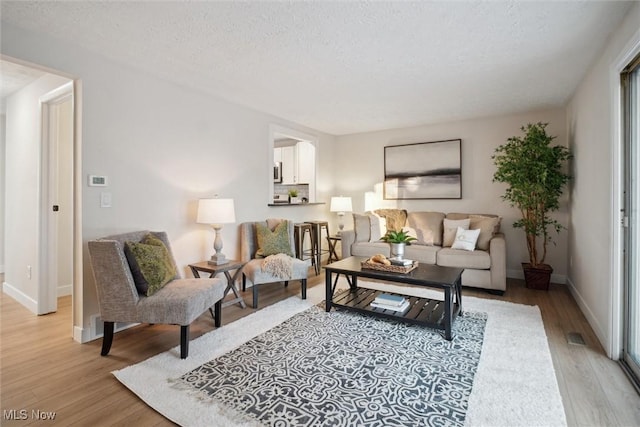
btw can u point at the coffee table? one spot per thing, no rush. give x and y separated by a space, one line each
434 313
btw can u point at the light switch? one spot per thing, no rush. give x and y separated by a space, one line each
105 200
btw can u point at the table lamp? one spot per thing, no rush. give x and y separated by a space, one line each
216 212
340 205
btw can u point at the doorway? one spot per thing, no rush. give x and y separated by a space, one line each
56 248
630 80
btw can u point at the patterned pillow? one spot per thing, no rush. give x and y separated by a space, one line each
273 242
151 264
465 239
450 229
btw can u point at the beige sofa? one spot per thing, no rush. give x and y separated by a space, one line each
485 266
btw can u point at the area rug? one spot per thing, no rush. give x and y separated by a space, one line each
514 383
310 371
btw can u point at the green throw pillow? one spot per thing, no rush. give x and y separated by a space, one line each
273 242
151 264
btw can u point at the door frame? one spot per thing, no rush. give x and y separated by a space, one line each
48 233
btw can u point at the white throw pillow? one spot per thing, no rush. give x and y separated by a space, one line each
450 229
378 227
465 239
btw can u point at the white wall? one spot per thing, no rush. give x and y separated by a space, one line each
359 166
22 193
591 124
2 191
163 146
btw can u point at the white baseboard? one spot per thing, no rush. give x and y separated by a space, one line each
591 318
555 278
95 329
64 290
21 297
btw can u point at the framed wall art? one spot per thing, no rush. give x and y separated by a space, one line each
425 170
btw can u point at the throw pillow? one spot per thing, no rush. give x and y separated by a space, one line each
151 264
396 218
465 239
273 242
450 229
488 227
428 226
362 227
378 227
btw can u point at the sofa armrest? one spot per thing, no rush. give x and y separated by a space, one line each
348 238
498 254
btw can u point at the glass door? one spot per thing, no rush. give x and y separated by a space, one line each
631 220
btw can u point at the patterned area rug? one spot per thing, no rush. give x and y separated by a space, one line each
346 369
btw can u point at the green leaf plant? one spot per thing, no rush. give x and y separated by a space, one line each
534 171
398 237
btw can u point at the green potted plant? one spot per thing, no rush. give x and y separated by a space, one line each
398 240
293 196
534 171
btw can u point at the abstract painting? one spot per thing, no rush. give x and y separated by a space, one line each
425 170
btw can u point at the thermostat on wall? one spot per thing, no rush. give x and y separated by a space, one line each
97 181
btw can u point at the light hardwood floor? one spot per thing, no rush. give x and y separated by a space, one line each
43 369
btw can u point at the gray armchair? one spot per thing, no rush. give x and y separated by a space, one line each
179 302
253 270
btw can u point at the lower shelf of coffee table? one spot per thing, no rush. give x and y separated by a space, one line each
422 311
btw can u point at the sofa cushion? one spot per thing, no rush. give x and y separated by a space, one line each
448 257
421 253
362 227
428 226
450 229
465 239
367 249
488 227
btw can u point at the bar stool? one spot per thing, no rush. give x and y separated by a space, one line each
316 241
300 230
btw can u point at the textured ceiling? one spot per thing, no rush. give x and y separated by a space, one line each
347 66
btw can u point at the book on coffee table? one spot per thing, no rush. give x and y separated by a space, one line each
389 299
403 262
402 308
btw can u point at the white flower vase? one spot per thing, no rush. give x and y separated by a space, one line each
397 250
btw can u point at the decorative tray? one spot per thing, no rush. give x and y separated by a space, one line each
389 268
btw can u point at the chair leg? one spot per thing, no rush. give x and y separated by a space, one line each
107 338
218 317
286 283
303 284
255 295
184 341
244 282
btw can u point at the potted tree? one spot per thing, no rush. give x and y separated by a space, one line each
533 169
398 240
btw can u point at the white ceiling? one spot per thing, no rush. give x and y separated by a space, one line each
347 66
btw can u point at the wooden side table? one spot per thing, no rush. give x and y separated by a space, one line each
214 270
333 240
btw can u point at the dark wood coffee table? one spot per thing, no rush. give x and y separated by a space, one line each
434 313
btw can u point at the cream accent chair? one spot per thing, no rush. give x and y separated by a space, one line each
179 302
253 271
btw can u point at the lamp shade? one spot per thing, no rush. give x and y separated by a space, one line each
340 204
216 211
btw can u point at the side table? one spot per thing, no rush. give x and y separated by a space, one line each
333 240
226 268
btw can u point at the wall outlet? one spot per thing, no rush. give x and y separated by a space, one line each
28 272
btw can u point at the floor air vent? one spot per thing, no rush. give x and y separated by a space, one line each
575 338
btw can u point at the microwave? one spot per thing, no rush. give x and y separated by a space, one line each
277 172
